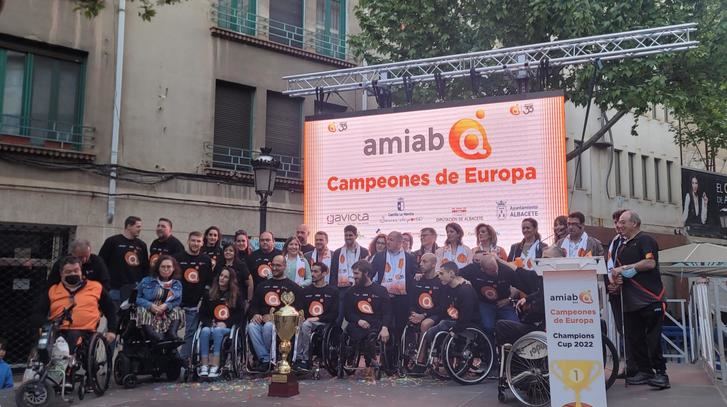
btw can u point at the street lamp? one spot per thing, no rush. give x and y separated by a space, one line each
265 167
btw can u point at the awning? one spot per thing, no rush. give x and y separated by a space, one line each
696 259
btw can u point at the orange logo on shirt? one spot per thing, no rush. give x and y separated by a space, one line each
315 309
364 307
272 299
264 271
191 275
401 263
301 272
131 258
153 259
387 268
222 312
425 301
583 253
461 258
453 312
649 256
489 292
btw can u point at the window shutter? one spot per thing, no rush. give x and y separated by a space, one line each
233 115
283 118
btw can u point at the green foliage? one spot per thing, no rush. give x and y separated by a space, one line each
691 84
91 8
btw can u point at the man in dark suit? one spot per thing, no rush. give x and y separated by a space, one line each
394 269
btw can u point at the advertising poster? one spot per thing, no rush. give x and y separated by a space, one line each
704 203
494 161
575 352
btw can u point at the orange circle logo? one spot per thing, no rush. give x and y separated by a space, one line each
489 292
272 299
301 272
425 301
461 258
365 308
387 268
518 262
401 263
342 259
222 312
191 275
332 127
453 312
315 309
264 271
153 259
468 139
131 259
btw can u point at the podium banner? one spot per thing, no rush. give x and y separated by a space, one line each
575 351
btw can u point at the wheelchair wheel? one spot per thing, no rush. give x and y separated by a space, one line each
194 356
526 370
330 345
409 346
237 352
468 356
122 367
610 362
98 366
35 393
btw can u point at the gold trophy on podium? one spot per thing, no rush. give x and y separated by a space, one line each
287 319
576 375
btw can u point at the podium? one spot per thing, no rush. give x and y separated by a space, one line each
573 328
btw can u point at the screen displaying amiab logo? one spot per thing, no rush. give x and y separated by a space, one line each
467 139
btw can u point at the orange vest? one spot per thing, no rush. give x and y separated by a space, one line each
86 314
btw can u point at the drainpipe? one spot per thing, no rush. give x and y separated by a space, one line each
114 160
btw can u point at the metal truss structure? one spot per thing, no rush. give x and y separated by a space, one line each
520 60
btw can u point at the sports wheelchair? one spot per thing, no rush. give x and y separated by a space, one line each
349 354
140 355
524 369
232 356
466 356
55 372
324 350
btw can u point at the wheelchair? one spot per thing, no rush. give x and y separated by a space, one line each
324 349
249 358
524 369
411 345
56 373
349 355
141 356
232 356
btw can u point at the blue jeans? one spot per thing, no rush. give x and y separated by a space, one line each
490 313
261 336
190 327
218 335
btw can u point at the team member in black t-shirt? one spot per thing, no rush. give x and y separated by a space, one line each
492 281
231 260
302 233
126 259
367 309
92 266
196 276
426 296
637 268
258 263
212 245
165 243
267 299
319 302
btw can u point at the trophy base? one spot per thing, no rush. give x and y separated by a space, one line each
283 385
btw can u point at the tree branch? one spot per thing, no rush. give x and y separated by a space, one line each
596 136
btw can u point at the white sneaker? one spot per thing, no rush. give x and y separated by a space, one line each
214 372
203 371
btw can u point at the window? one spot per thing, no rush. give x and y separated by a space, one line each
657 180
41 92
644 177
669 196
233 123
284 124
617 170
578 176
331 28
286 22
632 177
237 15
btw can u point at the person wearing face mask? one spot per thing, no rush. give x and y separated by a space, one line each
577 243
92 266
158 298
87 297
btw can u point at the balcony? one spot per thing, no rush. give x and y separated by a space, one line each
237 163
319 45
46 137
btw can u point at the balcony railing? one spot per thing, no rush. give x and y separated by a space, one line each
240 160
45 133
319 41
